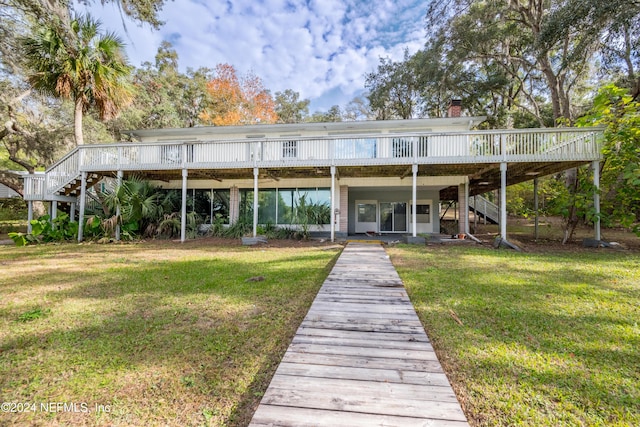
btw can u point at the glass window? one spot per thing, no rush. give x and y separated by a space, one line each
284 206
246 206
313 205
422 209
366 212
286 203
323 196
362 148
423 214
267 207
211 205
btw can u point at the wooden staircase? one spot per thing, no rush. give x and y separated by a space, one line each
485 208
72 188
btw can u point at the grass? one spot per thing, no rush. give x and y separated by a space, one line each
11 225
547 339
148 334
170 334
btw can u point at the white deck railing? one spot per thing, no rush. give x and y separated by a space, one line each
528 145
485 208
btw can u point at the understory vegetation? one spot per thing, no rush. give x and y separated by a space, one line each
143 210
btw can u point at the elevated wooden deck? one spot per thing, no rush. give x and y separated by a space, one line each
360 357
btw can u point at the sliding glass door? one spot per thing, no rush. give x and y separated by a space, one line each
393 217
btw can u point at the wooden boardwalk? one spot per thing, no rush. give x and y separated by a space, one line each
360 357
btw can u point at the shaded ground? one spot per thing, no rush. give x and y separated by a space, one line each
521 231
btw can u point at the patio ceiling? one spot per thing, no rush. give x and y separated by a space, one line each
482 177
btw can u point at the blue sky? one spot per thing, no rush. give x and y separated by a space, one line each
319 48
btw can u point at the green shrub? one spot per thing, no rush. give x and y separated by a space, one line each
45 229
13 209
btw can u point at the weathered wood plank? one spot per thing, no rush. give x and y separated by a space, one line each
363 362
363 400
398 328
365 389
363 374
352 318
363 343
288 416
365 285
337 333
360 317
362 351
361 297
365 307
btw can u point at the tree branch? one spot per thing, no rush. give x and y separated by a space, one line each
13 181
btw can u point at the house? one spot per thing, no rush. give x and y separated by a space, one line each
370 176
7 193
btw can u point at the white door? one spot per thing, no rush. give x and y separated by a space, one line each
366 216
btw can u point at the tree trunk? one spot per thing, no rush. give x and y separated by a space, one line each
77 121
13 181
552 84
39 208
570 223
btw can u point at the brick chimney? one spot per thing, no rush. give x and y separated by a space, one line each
455 108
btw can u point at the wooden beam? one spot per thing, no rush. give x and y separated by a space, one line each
406 173
270 174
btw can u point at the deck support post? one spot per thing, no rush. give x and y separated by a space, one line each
333 204
29 216
414 197
256 171
535 208
83 199
596 198
118 221
183 219
463 208
234 204
503 201
72 212
466 204
54 213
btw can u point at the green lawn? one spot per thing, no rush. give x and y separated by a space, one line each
546 339
171 334
158 334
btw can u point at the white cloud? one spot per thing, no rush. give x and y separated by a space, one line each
320 48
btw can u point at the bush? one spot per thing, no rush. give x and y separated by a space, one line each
13 209
44 229
239 229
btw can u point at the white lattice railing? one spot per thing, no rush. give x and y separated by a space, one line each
528 145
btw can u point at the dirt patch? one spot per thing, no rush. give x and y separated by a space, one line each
521 231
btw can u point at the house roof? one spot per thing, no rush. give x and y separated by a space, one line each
329 128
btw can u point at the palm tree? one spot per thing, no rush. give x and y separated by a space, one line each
82 64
